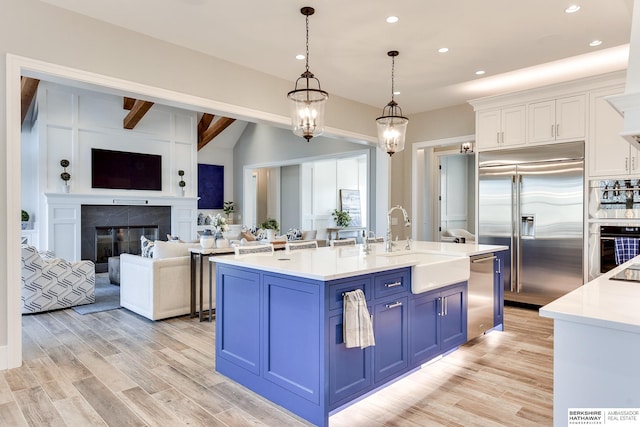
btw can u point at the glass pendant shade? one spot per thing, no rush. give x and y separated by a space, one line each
307 102
307 110
392 125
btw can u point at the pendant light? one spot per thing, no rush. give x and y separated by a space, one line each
307 103
392 125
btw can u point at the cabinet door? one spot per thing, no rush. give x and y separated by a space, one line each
488 129
390 331
349 368
609 154
513 126
498 291
238 317
291 325
570 118
453 319
542 121
424 332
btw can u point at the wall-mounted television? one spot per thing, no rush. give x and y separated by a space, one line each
125 171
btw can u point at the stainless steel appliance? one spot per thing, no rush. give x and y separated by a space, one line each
531 200
608 234
480 295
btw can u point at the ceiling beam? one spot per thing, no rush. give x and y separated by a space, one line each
204 123
137 112
216 128
28 88
127 103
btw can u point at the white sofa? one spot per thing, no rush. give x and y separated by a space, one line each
160 287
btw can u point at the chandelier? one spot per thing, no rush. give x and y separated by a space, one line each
307 103
392 125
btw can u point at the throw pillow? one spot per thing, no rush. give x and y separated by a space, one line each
171 238
294 234
146 246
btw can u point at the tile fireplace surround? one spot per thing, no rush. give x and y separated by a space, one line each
122 216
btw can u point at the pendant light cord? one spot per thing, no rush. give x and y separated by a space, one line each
307 57
393 68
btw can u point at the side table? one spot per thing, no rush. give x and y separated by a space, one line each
197 256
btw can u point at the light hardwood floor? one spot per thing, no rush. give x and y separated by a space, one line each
118 369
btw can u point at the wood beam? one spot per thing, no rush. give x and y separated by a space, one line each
221 124
28 88
137 112
204 123
127 103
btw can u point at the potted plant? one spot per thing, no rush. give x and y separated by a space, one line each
342 218
181 183
229 207
65 176
25 220
272 226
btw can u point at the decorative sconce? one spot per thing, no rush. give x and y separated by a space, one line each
307 103
466 148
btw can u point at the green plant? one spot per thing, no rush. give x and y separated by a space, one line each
229 207
181 174
270 224
25 215
342 218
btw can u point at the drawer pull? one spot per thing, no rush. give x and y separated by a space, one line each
393 285
394 305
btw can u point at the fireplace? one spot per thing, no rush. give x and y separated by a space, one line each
113 241
109 230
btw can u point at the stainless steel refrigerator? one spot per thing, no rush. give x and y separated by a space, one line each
531 200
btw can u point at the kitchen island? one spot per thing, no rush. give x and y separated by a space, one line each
279 319
596 353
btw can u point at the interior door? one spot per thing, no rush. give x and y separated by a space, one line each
496 213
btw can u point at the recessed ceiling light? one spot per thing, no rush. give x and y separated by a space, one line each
397 92
480 72
595 43
300 56
572 9
392 19
443 50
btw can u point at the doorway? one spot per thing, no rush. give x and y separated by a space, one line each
426 184
457 192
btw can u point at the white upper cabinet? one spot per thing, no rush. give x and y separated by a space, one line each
503 127
562 119
609 154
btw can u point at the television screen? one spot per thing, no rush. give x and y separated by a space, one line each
125 171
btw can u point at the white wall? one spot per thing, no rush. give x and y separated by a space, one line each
69 123
321 182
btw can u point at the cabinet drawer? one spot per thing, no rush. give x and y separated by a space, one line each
338 288
392 282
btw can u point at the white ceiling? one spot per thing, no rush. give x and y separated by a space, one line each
349 40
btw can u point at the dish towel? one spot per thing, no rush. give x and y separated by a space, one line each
357 327
626 248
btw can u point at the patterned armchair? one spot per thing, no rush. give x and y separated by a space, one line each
53 283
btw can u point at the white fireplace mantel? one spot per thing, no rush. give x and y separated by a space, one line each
62 231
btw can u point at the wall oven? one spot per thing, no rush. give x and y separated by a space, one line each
608 233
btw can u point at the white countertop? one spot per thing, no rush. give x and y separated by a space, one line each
328 263
601 302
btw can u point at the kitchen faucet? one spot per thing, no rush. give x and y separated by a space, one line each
407 223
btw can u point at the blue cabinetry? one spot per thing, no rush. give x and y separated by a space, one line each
438 322
282 336
498 291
